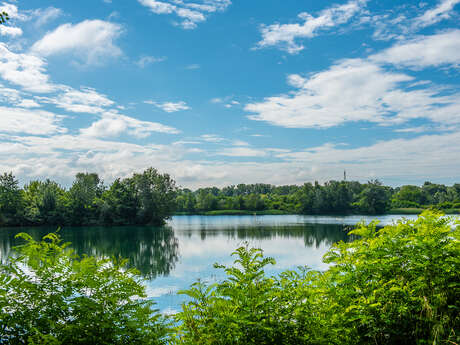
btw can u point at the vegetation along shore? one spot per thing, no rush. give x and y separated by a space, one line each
394 285
151 197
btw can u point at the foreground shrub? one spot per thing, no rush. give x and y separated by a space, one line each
399 284
50 296
250 308
396 285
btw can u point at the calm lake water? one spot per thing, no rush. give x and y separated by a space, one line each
172 257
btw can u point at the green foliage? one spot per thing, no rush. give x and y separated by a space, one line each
374 199
11 200
50 296
4 17
395 285
399 284
156 194
147 198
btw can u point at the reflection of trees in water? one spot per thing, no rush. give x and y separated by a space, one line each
312 234
153 251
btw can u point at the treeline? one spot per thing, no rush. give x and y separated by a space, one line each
146 198
151 197
333 197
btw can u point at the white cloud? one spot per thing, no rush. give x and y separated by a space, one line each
419 129
113 125
430 157
86 100
43 16
440 12
419 158
241 151
37 122
28 103
284 36
362 90
211 138
9 95
240 143
169 107
91 41
191 13
10 31
12 11
25 70
147 60
424 51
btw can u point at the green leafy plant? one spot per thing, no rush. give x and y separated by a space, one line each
49 295
399 284
250 308
395 285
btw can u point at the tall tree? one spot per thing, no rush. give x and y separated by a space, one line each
11 201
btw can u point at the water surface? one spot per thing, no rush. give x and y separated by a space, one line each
176 255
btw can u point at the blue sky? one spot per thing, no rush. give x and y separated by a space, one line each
218 92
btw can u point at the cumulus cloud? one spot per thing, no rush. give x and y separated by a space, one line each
190 13
10 31
28 103
240 151
363 90
424 51
37 122
91 41
429 157
85 100
25 70
113 124
169 107
284 36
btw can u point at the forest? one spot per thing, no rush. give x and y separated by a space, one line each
151 197
333 197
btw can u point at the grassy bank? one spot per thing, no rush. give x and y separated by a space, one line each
414 210
396 211
233 213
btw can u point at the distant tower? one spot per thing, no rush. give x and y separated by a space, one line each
344 175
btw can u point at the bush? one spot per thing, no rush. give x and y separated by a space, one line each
250 308
399 284
50 296
396 285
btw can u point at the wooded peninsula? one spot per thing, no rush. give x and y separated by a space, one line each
151 197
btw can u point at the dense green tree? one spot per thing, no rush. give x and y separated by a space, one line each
82 196
374 199
44 203
156 194
119 203
11 200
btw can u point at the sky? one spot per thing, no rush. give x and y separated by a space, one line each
220 92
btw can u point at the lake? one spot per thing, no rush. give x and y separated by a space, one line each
174 256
